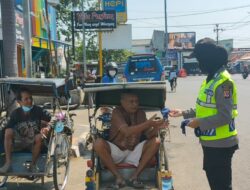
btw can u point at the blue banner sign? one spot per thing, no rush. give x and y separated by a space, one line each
117 5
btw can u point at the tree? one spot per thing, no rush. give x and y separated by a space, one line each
64 24
65 29
9 38
91 48
116 55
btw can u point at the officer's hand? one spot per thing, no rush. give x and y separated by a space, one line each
175 113
194 123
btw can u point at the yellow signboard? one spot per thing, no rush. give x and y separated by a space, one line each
120 6
121 17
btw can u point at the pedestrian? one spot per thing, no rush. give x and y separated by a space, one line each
215 113
173 78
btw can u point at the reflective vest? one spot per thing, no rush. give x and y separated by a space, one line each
206 107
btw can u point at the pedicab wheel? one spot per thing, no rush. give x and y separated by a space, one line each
61 161
159 182
97 181
163 159
163 166
3 180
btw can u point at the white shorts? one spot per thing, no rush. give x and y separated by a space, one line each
126 156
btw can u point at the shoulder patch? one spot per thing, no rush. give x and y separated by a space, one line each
227 91
227 85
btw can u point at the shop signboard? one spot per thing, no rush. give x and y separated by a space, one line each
172 55
120 38
95 19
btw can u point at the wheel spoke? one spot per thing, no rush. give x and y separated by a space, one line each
61 163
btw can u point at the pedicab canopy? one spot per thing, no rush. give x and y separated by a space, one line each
42 87
151 94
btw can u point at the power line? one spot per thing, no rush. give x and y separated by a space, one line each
186 12
208 12
194 25
241 20
236 26
193 14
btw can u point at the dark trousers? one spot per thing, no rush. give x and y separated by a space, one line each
174 80
217 165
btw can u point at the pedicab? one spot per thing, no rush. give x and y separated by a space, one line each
151 96
54 159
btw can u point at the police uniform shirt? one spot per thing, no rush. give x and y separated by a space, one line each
224 105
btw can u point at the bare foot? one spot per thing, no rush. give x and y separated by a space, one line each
5 168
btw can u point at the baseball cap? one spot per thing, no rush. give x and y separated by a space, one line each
203 46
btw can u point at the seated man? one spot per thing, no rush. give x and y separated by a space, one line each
129 123
28 125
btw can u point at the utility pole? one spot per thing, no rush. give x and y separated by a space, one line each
166 31
9 64
27 38
52 65
73 27
73 34
217 30
83 43
100 45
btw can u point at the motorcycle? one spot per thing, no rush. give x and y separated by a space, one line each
245 75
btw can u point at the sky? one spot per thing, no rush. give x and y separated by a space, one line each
233 17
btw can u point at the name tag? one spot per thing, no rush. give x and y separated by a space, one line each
209 92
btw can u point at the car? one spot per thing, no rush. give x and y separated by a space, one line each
143 67
121 68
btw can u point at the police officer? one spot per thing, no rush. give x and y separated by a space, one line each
111 72
215 113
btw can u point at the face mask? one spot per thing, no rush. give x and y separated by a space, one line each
26 109
112 73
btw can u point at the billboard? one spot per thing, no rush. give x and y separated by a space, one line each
95 19
120 38
227 44
19 27
120 6
181 40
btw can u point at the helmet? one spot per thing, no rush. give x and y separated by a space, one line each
111 66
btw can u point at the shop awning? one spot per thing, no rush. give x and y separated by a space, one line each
44 43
